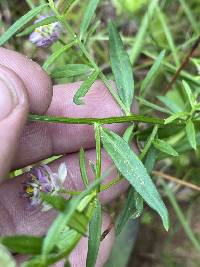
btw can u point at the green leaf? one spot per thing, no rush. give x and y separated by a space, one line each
23 244
133 209
128 134
84 88
152 72
52 58
83 167
43 22
134 171
191 135
6 258
121 67
94 235
71 70
78 220
169 103
153 106
63 219
189 94
88 14
179 115
19 24
165 147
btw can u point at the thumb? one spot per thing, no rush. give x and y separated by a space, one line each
13 114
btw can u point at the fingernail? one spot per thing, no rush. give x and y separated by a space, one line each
8 99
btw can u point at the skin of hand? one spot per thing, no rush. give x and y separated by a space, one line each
24 88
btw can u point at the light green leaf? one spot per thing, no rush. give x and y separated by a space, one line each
153 106
63 218
164 147
23 244
134 171
169 103
88 14
189 94
71 70
133 209
6 258
152 72
20 23
84 88
83 167
43 22
179 115
191 134
121 67
94 235
52 58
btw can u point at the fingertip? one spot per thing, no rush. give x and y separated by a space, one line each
35 79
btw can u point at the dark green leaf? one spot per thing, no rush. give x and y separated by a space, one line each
134 171
43 22
88 14
164 147
94 235
121 67
71 70
23 244
133 209
20 23
191 134
84 88
67 264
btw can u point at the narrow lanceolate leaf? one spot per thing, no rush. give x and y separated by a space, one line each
189 93
94 236
165 147
191 135
152 73
52 58
83 167
88 14
43 22
133 209
20 23
84 88
23 244
134 171
121 67
169 103
71 70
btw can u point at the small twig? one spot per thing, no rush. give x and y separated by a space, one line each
176 180
107 231
183 64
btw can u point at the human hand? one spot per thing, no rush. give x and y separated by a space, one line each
24 88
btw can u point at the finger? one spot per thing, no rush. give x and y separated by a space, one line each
35 79
78 256
13 114
42 140
16 218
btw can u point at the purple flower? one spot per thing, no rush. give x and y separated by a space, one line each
43 179
45 35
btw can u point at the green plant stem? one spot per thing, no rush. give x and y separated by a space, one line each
109 120
181 217
98 150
